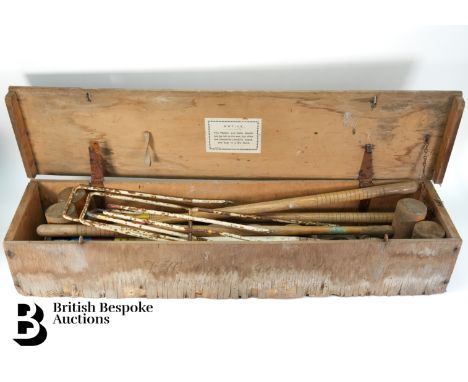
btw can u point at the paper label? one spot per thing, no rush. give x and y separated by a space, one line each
233 135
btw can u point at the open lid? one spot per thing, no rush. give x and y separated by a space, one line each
251 134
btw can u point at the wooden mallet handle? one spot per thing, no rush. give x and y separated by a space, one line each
335 217
72 230
299 230
329 199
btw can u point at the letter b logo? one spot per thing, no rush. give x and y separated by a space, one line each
30 330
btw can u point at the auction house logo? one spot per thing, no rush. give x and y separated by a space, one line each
30 330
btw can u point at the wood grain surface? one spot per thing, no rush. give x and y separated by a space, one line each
232 270
448 140
21 134
314 135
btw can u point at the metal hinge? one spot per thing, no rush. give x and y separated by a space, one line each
366 174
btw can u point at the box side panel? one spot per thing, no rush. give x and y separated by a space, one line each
28 215
448 140
21 133
232 270
436 207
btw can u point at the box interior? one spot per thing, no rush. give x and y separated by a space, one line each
42 193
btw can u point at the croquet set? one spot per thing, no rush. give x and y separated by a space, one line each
227 194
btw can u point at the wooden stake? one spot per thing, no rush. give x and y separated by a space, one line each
298 230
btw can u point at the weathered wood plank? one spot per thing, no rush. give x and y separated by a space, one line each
28 215
314 135
232 270
434 202
448 140
21 133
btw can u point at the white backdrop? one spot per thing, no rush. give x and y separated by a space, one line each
242 45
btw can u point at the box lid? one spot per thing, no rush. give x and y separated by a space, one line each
306 134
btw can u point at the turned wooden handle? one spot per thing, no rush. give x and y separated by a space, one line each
330 198
54 213
335 217
311 201
72 230
298 230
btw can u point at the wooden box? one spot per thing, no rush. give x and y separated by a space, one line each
311 142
